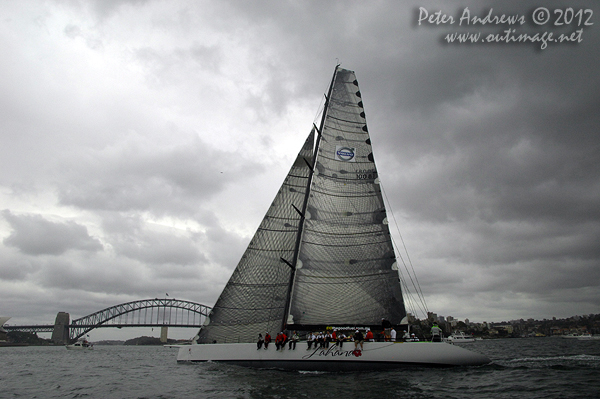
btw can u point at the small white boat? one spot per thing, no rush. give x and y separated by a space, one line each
571 336
82 344
459 337
586 337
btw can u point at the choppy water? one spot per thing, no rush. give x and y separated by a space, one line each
521 368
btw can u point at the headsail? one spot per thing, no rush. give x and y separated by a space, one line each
346 272
254 299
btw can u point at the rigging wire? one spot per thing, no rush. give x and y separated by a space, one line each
411 302
319 111
415 281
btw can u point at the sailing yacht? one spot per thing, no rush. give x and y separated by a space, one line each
322 258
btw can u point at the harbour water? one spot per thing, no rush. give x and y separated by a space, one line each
521 368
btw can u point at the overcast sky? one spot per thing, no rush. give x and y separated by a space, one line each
142 142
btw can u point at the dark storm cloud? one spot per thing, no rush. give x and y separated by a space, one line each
496 148
34 235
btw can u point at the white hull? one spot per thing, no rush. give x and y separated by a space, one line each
80 346
381 355
588 337
460 338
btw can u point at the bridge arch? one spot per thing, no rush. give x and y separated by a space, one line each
187 314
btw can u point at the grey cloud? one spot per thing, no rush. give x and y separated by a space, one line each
171 67
131 236
488 153
105 8
162 181
160 249
15 268
72 31
34 235
98 275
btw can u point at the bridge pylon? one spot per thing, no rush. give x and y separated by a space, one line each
60 335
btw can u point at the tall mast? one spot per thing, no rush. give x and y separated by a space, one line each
305 203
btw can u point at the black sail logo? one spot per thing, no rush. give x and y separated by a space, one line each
345 154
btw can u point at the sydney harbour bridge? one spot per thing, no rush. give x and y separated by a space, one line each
155 312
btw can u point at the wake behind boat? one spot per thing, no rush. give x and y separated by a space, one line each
321 258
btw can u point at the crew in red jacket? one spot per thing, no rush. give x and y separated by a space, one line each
280 340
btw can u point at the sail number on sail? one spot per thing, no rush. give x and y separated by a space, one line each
366 174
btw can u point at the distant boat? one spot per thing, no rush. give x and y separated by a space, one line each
322 258
3 332
585 337
571 336
80 345
460 337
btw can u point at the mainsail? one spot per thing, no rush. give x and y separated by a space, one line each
335 264
346 272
